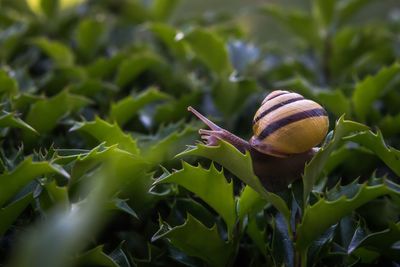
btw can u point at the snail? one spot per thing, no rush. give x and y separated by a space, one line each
286 130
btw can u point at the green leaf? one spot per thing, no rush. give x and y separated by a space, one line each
249 202
230 96
176 109
12 182
376 143
318 217
390 125
121 205
197 240
127 108
57 51
297 21
89 37
378 241
49 7
92 87
167 35
133 66
241 166
8 86
11 212
96 257
162 9
314 168
334 101
10 120
256 234
104 67
44 114
210 185
349 8
323 11
111 134
371 88
166 148
210 49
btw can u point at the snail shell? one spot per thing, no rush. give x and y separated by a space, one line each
287 124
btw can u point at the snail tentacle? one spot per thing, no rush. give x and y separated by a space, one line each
216 133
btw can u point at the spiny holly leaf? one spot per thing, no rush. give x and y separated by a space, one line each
210 185
210 49
44 114
96 257
197 240
371 88
320 216
74 228
57 51
129 173
378 241
376 143
166 148
249 202
11 212
118 204
314 168
109 133
125 109
10 120
8 86
257 235
133 66
240 165
12 182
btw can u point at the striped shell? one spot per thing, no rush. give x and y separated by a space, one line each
287 123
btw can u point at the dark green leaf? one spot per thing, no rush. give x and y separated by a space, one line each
96 257
11 212
133 66
109 133
10 120
127 108
197 240
240 165
210 185
8 86
371 88
210 49
318 217
89 36
57 51
314 168
376 143
12 182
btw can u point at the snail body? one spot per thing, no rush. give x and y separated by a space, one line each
286 129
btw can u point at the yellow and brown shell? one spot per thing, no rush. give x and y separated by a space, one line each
287 123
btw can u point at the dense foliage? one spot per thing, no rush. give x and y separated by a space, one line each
94 127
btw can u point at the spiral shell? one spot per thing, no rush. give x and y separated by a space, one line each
287 124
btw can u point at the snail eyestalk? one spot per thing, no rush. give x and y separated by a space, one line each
211 136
